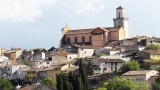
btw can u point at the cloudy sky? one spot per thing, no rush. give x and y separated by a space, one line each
38 23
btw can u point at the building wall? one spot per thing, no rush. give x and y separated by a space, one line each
136 77
154 57
82 53
98 40
79 37
71 56
114 35
13 56
121 34
18 53
65 67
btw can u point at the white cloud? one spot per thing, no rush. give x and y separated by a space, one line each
22 10
84 6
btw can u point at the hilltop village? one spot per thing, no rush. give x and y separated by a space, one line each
104 53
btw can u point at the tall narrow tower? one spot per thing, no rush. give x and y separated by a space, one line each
121 20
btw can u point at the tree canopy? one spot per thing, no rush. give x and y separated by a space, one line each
152 47
124 84
5 85
51 82
120 84
130 66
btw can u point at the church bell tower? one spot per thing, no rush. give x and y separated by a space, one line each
121 20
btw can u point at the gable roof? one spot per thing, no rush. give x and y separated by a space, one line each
140 72
111 60
157 52
86 31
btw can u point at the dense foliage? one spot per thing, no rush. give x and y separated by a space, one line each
5 85
152 47
74 81
130 66
120 84
51 82
124 84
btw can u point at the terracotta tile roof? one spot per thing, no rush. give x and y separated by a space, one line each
110 60
84 47
73 68
62 53
157 52
113 28
83 31
141 72
30 69
47 68
156 40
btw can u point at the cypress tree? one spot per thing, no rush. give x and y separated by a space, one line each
59 82
71 87
90 69
66 84
79 85
83 75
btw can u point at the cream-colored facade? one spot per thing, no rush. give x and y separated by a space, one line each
142 75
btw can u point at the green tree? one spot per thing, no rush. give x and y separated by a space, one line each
71 87
156 86
83 74
79 85
66 84
130 66
142 86
120 84
90 69
99 55
51 82
59 80
152 47
5 85
145 65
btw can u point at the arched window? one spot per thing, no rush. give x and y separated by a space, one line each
90 39
83 39
75 40
68 40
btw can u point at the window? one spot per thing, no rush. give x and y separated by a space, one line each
70 58
104 68
47 62
115 68
90 39
75 40
8 69
68 40
115 63
111 64
9 74
111 68
83 39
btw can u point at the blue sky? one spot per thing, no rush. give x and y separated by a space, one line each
37 23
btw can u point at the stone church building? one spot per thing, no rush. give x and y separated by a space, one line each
98 37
